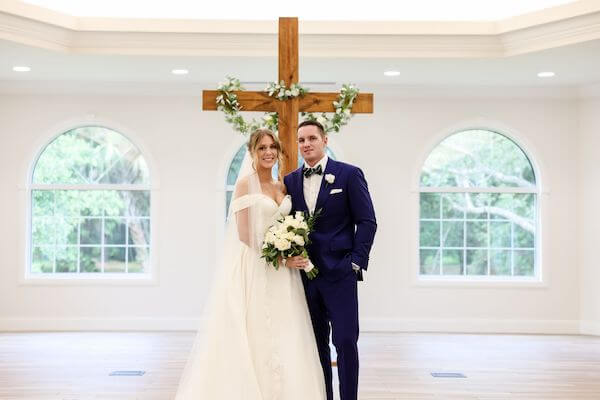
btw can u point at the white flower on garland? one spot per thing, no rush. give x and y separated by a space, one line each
227 102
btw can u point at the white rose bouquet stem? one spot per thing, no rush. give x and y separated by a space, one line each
288 237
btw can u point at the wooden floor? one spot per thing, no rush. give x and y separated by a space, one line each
74 366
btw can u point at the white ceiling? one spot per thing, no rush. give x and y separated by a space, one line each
353 10
575 65
64 53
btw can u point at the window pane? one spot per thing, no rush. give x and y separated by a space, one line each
430 205
89 202
236 163
89 155
43 230
523 237
67 230
114 259
524 262
452 262
114 230
90 259
500 234
430 262
91 229
138 258
453 233
476 262
501 205
453 205
430 234
42 202
477 204
500 262
66 259
42 259
524 205
477 158
139 231
477 233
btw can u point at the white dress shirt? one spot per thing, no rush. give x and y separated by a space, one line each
312 185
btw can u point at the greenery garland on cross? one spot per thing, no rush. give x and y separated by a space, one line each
284 101
227 102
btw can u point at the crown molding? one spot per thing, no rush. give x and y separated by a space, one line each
34 26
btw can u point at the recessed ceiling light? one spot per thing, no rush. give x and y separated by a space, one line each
546 74
391 73
21 68
180 72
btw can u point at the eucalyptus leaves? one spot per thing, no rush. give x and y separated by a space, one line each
227 102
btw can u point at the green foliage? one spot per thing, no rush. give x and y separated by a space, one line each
481 233
66 223
477 158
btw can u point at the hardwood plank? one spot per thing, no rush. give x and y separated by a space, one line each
76 366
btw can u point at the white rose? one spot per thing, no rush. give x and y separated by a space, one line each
303 225
299 240
290 236
330 178
283 245
270 238
299 215
295 92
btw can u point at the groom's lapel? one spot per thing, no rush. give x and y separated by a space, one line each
330 168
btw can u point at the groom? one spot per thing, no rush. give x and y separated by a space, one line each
341 241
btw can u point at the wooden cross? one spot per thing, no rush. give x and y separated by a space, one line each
288 109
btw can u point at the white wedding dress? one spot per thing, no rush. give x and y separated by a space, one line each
257 342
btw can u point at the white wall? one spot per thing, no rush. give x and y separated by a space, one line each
190 148
589 198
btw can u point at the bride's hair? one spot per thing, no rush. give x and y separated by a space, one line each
255 139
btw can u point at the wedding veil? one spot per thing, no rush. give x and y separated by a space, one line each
224 314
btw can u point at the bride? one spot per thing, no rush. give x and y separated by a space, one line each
257 342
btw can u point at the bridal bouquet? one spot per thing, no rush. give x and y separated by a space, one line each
288 237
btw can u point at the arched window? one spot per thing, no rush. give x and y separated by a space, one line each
234 170
478 208
90 206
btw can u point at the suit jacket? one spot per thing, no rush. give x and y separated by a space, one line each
345 230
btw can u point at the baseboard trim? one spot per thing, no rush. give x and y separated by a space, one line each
98 324
471 326
589 328
367 325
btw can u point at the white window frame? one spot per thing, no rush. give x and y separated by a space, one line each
540 278
147 278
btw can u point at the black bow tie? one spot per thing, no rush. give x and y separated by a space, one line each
308 172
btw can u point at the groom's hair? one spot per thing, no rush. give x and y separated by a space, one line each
313 123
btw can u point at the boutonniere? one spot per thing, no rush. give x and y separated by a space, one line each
330 178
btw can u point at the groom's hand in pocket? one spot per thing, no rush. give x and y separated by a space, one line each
297 262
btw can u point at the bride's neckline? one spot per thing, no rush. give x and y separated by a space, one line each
275 201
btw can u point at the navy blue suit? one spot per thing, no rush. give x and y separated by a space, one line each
343 235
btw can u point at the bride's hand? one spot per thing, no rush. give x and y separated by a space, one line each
297 262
